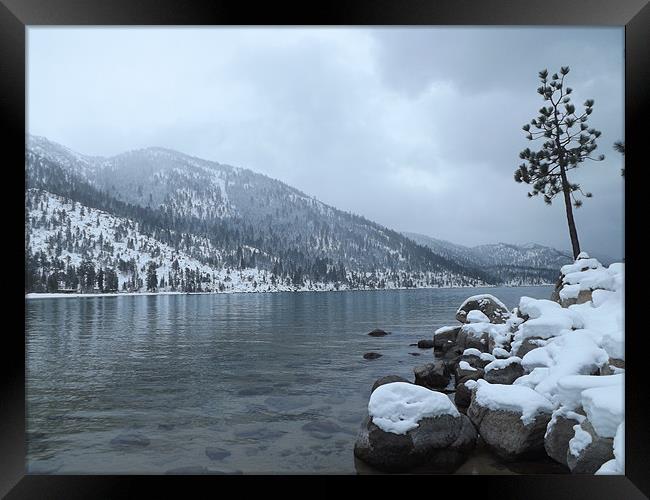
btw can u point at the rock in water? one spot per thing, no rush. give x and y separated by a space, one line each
378 333
372 355
130 439
409 425
432 375
443 336
425 344
388 379
511 419
493 308
215 453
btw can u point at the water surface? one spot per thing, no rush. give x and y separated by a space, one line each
257 383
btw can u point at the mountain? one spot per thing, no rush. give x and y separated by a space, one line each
157 219
503 262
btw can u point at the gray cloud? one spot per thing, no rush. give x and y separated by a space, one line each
418 129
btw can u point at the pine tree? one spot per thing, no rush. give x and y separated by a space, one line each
620 147
152 277
568 142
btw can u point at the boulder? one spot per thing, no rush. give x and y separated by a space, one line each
470 338
409 426
504 371
558 434
511 419
488 304
465 370
432 375
378 333
425 344
587 451
583 296
372 355
463 395
388 379
528 345
444 335
476 360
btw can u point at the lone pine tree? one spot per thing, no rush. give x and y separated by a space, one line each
568 141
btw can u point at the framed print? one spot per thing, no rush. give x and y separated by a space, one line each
347 243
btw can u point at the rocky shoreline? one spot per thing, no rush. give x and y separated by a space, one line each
542 383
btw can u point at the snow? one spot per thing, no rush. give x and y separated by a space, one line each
399 406
444 329
605 409
583 255
533 378
574 353
499 352
464 365
517 398
482 299
616 466
570 291
619 447
580 440
609 468
472 351
500 364
563 411
476 316
569 388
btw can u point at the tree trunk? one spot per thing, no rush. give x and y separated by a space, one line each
573 232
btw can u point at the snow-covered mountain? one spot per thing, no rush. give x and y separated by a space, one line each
504 262
159 219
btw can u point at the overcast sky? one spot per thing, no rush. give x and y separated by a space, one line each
418 129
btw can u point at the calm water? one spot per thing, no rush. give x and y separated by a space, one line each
241 374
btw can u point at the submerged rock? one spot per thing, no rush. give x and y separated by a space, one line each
214 453
378 333
372 355
130 439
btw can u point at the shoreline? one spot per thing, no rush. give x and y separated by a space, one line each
54 295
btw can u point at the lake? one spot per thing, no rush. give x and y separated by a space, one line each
268 383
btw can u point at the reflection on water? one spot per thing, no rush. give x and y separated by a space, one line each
258 383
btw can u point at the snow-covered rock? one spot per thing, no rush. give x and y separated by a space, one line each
408 425
504 371
476 316
432 375
605 408
587 450
559 431
488 304
511 419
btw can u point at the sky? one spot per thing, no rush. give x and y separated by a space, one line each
418 129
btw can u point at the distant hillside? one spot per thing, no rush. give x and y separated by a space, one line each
506 263
163 220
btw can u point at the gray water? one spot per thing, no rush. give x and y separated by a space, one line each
269 383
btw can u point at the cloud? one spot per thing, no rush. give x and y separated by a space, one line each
418 129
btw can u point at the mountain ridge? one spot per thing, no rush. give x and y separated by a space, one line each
173 207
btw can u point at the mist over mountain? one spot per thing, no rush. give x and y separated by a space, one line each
163 220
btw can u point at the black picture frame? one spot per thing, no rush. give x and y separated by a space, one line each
16 15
